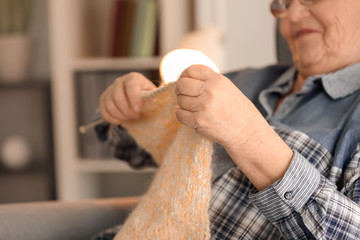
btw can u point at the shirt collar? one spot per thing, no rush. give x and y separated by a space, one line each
286 79
337 84
343 82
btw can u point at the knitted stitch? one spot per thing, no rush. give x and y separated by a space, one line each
176 204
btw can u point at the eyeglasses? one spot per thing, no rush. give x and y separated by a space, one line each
279 7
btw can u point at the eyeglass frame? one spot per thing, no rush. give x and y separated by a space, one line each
284 5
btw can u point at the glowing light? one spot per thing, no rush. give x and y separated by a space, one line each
175 62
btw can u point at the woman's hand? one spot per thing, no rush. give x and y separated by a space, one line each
122 100
213 106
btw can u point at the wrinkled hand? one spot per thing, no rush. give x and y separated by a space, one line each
212 105
122 100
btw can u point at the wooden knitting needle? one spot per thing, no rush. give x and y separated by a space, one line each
84 128
144 94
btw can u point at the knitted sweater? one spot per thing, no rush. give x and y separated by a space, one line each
176 204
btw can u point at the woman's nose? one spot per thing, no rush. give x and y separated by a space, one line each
297 11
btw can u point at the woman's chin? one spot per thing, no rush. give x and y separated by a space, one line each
308 67
309 57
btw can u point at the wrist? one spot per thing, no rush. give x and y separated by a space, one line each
264 158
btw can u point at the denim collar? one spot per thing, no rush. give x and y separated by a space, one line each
337 84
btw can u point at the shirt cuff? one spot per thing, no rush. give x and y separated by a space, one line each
289 193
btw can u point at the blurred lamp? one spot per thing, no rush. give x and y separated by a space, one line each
175 62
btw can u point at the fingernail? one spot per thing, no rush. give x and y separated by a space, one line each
136 108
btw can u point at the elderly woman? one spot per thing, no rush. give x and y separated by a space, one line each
293 132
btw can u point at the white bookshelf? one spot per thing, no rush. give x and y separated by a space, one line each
75 48
113 64
107 166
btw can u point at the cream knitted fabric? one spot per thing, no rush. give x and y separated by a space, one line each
176 204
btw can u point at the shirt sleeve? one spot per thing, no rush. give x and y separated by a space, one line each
306 205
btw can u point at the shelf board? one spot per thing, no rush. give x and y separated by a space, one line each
108 165
26 84
114 64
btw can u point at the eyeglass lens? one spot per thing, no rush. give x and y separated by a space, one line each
278 7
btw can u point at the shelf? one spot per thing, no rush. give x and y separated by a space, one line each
26 84
32 168
108 166
115 64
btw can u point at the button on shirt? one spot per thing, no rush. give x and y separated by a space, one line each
319 195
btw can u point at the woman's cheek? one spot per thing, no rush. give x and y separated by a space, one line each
285 30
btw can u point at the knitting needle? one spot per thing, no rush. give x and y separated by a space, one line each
84 128
144 94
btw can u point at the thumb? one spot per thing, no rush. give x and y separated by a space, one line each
134 93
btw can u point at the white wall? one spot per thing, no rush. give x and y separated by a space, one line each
250 34
249 30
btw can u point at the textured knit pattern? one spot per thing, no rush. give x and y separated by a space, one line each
176 204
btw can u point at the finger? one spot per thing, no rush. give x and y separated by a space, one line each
108 102
103 102
185 117
121 106
200 72
113 111
191 104
105 116
134 86
133 96
189 87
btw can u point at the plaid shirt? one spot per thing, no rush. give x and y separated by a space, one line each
305 204
319 195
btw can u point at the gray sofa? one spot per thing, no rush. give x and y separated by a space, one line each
62 220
